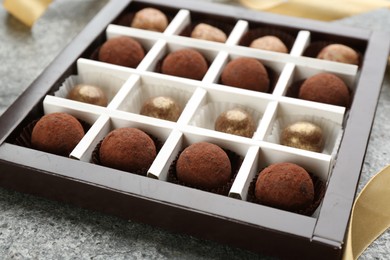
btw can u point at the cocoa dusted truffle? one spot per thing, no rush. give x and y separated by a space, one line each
150 19
57 133
186 63
203 165
246 73
303 135
325 88
123 51
128 149
339 53
207 32
161 107
88 94
285 186
269 43
235 121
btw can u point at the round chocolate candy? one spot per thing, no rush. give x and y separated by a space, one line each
161 107
235 121
303 135
88 94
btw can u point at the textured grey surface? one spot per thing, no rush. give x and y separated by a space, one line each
35 228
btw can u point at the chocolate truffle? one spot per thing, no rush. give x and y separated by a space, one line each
303 135
285 186
203 165
186 63
128 149
57 133
235 121
207 32
88 94
150 19
123 51
269 43
161 107
325 88
246 73
339 53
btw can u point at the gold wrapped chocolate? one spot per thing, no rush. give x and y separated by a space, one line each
88 94
235 121
303 135
161 107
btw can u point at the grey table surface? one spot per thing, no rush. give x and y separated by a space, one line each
36 228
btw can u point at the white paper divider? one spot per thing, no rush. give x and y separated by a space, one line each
284 80
85 66
133 81
247 172
291 106
216 67
300 44
193 103
156 127
160 167
83 151
150 61
266 121
178 23
146 38
83 111
316 163
238 31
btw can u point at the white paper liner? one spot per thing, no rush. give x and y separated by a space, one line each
206 116
108 84
332 132
134 102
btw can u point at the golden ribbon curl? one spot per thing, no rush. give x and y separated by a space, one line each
27 11
327 10
370 214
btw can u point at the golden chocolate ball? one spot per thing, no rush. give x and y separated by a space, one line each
150 19
236 121
207 32
269 43
88 94
303 135
339 53
161 107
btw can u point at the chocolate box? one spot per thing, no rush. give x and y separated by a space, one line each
231 218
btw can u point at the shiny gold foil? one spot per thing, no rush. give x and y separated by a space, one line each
27 11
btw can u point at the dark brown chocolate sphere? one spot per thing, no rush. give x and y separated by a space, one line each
236 121
285 186
303 135
123 51
269 43
186 63
246 73
339 53
207 32
325 88
88 94
128 149
161 107
57 133
203 165
150 19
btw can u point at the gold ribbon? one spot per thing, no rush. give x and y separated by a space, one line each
370 214
320 10
27 11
